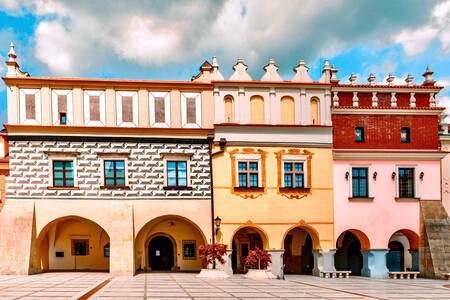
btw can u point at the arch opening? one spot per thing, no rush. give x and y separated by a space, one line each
298 244
403 253
72 243
229 116
169 243
348 255
314 106
244 240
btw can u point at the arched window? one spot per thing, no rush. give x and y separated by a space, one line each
314 111
256 110
228 109
287 110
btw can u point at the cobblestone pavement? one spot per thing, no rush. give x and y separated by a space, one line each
187 286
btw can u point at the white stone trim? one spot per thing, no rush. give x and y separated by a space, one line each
151 99
87 119
178 157
37 106
405 155
198 110
416 179
119 95
387 111
111 156
55 112
62 157
370 180
248 157
293 159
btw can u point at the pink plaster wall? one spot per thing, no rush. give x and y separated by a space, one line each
383 216
445 182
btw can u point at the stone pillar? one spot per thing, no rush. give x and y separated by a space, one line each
374 263
276 267
323 261
414 260
121 261
18 238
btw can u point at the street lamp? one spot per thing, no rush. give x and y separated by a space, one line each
217 222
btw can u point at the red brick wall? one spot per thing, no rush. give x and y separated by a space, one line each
384 99
383 131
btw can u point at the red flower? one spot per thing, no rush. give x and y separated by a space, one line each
212 252
258 259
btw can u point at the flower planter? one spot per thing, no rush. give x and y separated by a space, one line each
259 274
213 274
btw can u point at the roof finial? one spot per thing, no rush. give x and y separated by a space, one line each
301 73
409 80
333 78
390 79
240 71
326 72
271 72
12 54
215 74
371 79
428 79
352 79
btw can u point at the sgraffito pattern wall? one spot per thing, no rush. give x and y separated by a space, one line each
30 174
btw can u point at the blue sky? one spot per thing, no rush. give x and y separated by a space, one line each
169 39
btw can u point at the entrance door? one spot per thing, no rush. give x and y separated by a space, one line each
394 258
160 254
354 258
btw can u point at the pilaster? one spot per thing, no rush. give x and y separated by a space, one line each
323 261
374 263
143 108
276 267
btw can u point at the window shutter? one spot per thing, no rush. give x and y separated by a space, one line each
190 110
160 116
94 108
62 103
127 109
30 107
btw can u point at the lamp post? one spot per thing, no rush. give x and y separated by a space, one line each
217 222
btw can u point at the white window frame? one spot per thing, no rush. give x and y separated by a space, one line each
37 107
55 110
113 156
397 180
294 159
198 110
370 180
178 157
133 95
151 99
248 157
63 157
87 120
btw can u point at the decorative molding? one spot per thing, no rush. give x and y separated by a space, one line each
151 106
385 111
387 155
198 110
294 196
262 159
55 109
37 106
279 156
134 96
249 196
87 110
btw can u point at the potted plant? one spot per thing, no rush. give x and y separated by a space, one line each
259 260
212 256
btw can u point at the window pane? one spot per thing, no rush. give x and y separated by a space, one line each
120 181
362 188
242 166
182 174
253 166
288 180
288 167
362 172
355 172
109 181
58 174
181 165
299 180
254 180
57 165
58 182
242 179
171 181
298 167
69 182
359 134
120 164
171 173
355 187
109 168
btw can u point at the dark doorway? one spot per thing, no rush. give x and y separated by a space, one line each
234 257
394 258
160 254
307 256
348 257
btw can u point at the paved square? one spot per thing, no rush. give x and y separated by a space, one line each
186 286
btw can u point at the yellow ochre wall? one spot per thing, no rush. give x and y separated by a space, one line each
274 213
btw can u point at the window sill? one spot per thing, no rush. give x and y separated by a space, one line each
63 188
115 187
412 199
177 188
361 199
294 190
248 189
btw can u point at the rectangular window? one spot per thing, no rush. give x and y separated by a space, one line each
189 249
294 175
404 135
176 173
59 254
114 172
62 103
244 250
106 250
248 174
62 118
94 108
406 182
63 173
30 107
160 114
359 134
80 247
359 182
127 109
191 110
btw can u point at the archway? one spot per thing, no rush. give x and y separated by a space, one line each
298 244
169 242
244 240
403 251
228 101
72 243
348 256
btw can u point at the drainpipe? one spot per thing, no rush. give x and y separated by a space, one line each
222 144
